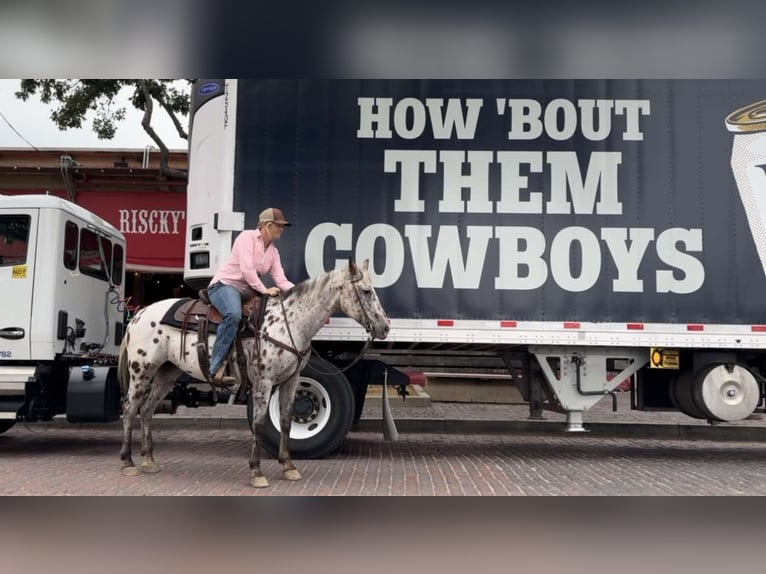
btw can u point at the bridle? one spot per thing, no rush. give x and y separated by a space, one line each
367 321
367 327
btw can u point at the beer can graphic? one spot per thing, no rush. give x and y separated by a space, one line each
748 164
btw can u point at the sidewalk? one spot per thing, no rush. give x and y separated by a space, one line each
417 413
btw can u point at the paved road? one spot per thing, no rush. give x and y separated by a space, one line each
56 460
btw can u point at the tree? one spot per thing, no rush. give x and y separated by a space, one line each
77 97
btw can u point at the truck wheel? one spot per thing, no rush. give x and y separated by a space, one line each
323 411
6 425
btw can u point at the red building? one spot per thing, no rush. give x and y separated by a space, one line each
125 187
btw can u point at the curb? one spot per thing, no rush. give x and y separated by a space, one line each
595 429
472 426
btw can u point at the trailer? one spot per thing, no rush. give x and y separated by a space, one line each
578 233
62 272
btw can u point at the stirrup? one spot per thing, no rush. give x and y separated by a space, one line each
222 380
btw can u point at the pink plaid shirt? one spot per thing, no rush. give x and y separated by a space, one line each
249 260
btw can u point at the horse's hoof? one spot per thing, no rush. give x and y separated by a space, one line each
259 482
291 474
130 471
151 468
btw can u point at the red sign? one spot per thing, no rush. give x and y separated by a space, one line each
154 224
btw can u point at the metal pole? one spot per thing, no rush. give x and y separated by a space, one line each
390 434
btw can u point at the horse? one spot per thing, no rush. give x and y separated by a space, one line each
151 358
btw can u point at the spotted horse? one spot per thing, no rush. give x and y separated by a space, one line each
153 355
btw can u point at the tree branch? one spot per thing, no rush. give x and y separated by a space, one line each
146 123
176 123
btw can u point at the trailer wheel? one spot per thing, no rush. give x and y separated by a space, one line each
6 425
323 411
682 395
726 392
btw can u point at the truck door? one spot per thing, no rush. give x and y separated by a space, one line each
18 241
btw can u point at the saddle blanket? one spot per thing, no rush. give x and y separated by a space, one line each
196 310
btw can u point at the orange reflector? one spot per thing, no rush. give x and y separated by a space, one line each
695 327
635 326
758 328
572 325
445 323
507 323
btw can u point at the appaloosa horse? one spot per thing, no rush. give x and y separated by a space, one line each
152 357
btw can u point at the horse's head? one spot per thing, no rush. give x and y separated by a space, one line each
360 301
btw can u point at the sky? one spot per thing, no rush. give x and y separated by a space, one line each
32 120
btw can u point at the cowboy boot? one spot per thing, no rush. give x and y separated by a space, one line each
222 380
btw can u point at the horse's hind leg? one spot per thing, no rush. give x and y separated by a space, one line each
286 397
261 394
139 384
161 384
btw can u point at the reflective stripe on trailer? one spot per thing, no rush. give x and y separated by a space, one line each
553 325
516 332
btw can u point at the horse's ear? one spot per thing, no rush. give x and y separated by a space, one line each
351 267
366 264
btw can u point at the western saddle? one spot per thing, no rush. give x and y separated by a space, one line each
202 316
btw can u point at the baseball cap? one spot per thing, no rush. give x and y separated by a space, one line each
272 214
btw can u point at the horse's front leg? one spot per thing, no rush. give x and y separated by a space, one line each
286 398
261 394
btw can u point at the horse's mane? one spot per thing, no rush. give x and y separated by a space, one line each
311 285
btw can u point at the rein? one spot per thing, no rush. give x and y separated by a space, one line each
347 367
294 349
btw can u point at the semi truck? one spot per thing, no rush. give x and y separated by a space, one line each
571 234
62 277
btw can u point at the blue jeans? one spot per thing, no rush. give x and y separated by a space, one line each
228 301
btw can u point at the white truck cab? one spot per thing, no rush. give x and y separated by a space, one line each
62 272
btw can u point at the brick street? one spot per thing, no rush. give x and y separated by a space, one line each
55 460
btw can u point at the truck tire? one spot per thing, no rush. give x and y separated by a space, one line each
323 411
6 425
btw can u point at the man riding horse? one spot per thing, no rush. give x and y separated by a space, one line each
252 255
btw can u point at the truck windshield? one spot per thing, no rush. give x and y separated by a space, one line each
14 239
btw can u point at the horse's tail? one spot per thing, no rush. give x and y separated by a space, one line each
122 367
